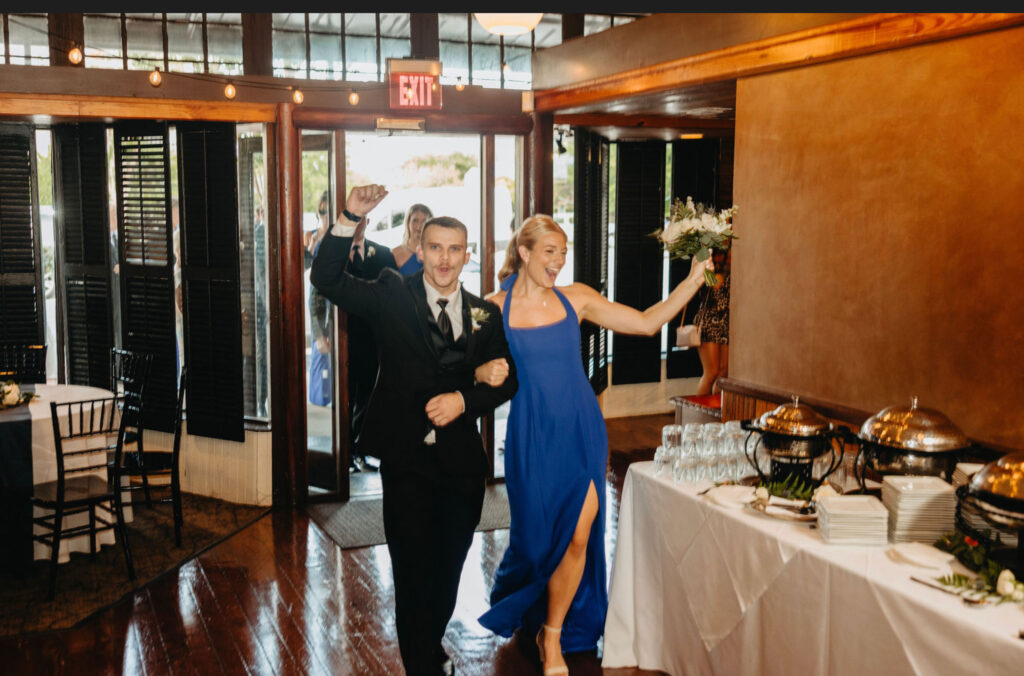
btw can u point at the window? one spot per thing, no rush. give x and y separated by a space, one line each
194 42
28 42
349 46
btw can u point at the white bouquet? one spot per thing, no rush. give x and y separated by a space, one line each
694 229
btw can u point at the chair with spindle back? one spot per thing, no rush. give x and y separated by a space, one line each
82 432
158 463
129 371
23 363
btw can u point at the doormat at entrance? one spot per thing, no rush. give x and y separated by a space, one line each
360 521
85 587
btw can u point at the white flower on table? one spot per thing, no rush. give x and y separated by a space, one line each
1006 583
11 394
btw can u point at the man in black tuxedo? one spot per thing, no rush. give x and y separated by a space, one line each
421 421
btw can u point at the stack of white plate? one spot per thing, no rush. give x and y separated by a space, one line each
921 508
964 471
853 520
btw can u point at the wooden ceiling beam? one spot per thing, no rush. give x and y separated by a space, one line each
642 121
853 37
59 106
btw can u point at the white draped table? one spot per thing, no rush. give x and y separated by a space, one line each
697 588
44 462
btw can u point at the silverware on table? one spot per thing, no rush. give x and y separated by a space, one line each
966 599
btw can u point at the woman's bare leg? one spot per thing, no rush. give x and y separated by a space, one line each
566 579
723 367
709 356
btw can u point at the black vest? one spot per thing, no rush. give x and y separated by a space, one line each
450 355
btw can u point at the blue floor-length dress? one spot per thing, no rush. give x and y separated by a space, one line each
556 444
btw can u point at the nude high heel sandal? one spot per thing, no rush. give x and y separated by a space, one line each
550 671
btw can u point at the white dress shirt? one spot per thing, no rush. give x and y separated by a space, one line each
454 307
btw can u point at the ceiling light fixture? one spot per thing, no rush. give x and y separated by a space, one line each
509 24
155 78
353 98
558 143
459 85
297 96
75 55
229 91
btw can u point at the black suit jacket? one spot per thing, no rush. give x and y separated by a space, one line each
396 309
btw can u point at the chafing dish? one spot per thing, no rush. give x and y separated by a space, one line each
909 440
794 435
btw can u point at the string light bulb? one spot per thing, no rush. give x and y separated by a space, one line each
458 83
155 78
75 55
353 98
229 91
505 67
297 96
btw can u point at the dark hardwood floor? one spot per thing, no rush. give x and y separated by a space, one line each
280 597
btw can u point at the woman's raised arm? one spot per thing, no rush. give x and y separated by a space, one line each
624 319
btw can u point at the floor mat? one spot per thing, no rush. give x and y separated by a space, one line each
360 523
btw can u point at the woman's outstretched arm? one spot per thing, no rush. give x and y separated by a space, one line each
624 319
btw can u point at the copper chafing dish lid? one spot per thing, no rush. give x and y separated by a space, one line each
920 430
794 419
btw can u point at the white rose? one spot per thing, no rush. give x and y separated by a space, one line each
761 493
1006 583
11 395
671 232
1018 594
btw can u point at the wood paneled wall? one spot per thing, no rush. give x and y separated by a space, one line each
880 243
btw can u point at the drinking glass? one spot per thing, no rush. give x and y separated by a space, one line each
671 435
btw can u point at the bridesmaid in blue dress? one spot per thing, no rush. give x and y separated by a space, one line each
552 577
405 253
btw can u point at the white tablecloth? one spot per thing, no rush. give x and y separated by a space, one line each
44 464
698 588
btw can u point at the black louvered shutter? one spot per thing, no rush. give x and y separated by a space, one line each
21 287
83 229
640 208
590 244
252 279
146 254
694 174
209 275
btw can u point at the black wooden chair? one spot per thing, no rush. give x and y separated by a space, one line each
163 463
81 432
23 363
129 371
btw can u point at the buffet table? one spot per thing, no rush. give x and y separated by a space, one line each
698 588
27 457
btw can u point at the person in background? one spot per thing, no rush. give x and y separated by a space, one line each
368 260
713 320
551 580
405 253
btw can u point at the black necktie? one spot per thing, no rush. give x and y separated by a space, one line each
444 322
356 256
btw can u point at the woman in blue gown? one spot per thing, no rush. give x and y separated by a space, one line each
552 577
405 253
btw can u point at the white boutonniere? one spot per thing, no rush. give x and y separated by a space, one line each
479 316
370 250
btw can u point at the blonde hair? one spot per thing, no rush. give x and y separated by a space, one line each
415 209
532 229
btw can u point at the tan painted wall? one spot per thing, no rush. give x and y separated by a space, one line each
881 216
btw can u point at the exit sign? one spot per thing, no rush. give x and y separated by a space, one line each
415 91
415 84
